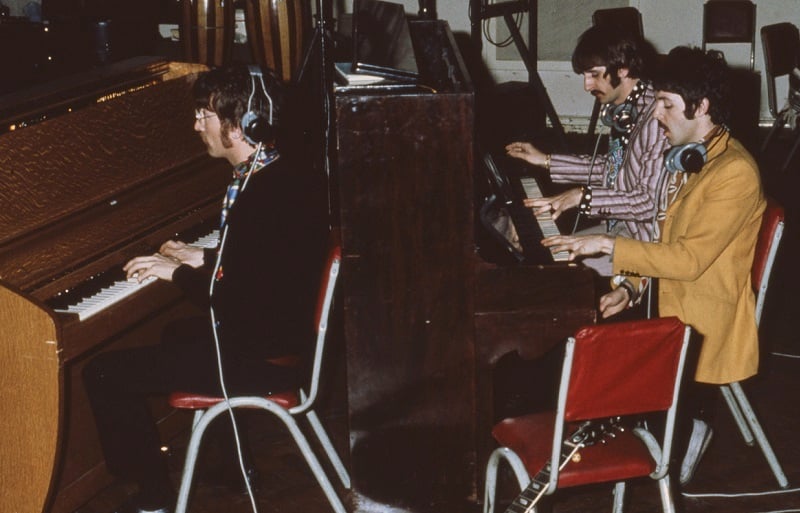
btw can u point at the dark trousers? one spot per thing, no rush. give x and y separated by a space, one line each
119 384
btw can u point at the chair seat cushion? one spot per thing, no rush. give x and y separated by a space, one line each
621 457
191 401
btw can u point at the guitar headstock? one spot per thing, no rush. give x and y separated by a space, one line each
591 432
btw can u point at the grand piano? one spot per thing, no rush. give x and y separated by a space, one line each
426 319
96 167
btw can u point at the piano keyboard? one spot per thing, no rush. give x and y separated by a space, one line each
119 289
546 223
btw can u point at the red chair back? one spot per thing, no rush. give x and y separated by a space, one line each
625 368
328 281
771 225
769 237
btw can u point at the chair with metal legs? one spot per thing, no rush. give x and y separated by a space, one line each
769 238
286 406
549 450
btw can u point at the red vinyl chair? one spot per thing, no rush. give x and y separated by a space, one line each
287 406
609 370
769 238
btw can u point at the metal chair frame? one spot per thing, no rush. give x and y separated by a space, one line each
286 406
575 403
742 411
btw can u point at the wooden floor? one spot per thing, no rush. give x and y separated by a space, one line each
733 478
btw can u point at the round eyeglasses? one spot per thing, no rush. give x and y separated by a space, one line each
201 115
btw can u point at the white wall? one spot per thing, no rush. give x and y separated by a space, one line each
665 36
667 23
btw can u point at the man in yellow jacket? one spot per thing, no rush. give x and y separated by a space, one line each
709 222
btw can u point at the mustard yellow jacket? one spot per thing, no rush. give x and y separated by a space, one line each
703 262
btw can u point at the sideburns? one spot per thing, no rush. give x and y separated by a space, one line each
225 138
691 108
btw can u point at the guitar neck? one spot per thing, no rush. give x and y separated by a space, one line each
539 484
588 433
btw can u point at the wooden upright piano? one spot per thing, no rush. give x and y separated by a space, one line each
96 168
425 318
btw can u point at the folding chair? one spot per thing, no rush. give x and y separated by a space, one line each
730 21
769 238
781 43
609 370
727 22
285 405
628 19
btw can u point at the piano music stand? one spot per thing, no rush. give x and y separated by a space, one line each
528 53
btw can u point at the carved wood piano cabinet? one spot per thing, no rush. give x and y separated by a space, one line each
96 168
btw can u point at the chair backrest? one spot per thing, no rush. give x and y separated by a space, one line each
781 44
730 21
769 238
328 283
628 19
622 369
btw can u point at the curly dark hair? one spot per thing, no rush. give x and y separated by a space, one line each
694 74
613 48
227 91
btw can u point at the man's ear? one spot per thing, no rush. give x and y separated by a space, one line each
235 133
622 73
702 108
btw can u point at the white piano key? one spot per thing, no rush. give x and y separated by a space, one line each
108 296
546 223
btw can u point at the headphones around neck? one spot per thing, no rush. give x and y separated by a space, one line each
622 117
256 127
619 117
689 158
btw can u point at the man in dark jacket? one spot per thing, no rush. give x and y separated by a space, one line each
259 286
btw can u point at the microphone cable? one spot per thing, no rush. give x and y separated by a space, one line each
217 265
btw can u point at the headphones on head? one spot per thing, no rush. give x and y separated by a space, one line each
256 127
689 158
